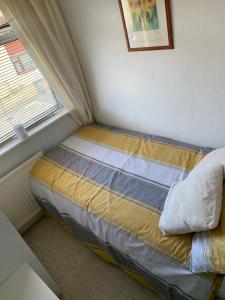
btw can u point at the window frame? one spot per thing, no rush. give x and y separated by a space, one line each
10 37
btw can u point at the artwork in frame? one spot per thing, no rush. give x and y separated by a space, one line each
147 24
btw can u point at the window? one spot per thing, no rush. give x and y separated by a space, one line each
25 96
22 63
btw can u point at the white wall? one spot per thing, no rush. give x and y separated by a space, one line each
42 141
175 93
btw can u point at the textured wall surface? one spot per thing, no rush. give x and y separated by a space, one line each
175 93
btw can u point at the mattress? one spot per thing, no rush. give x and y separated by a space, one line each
110 185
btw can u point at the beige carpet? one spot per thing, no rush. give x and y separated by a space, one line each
80 273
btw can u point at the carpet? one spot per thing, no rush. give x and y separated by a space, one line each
80 273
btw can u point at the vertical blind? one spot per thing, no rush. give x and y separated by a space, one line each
25 96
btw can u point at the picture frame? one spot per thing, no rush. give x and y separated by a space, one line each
147 24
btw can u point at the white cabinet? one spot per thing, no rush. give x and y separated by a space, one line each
14 252
25 284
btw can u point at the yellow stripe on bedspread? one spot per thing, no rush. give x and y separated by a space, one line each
140 221
169 154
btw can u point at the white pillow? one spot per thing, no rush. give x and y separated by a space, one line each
195 204
214 157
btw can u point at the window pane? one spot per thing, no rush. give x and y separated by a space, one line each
22 63
25 96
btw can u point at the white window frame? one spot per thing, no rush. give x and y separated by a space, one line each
56 112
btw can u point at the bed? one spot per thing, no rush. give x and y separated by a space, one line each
109 185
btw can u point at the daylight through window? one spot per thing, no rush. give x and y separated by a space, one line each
25 96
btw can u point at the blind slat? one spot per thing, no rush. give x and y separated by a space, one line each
45 96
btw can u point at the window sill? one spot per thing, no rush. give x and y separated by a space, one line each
32 132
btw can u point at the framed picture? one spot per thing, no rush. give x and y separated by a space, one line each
147 24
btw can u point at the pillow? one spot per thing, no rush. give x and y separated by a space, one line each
214 157
195 204
208 251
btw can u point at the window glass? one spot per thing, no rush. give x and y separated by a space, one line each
25 96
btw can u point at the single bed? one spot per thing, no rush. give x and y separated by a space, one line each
110 185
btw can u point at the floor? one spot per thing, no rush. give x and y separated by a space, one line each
78 271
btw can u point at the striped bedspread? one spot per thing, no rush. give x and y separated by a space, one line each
110 186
